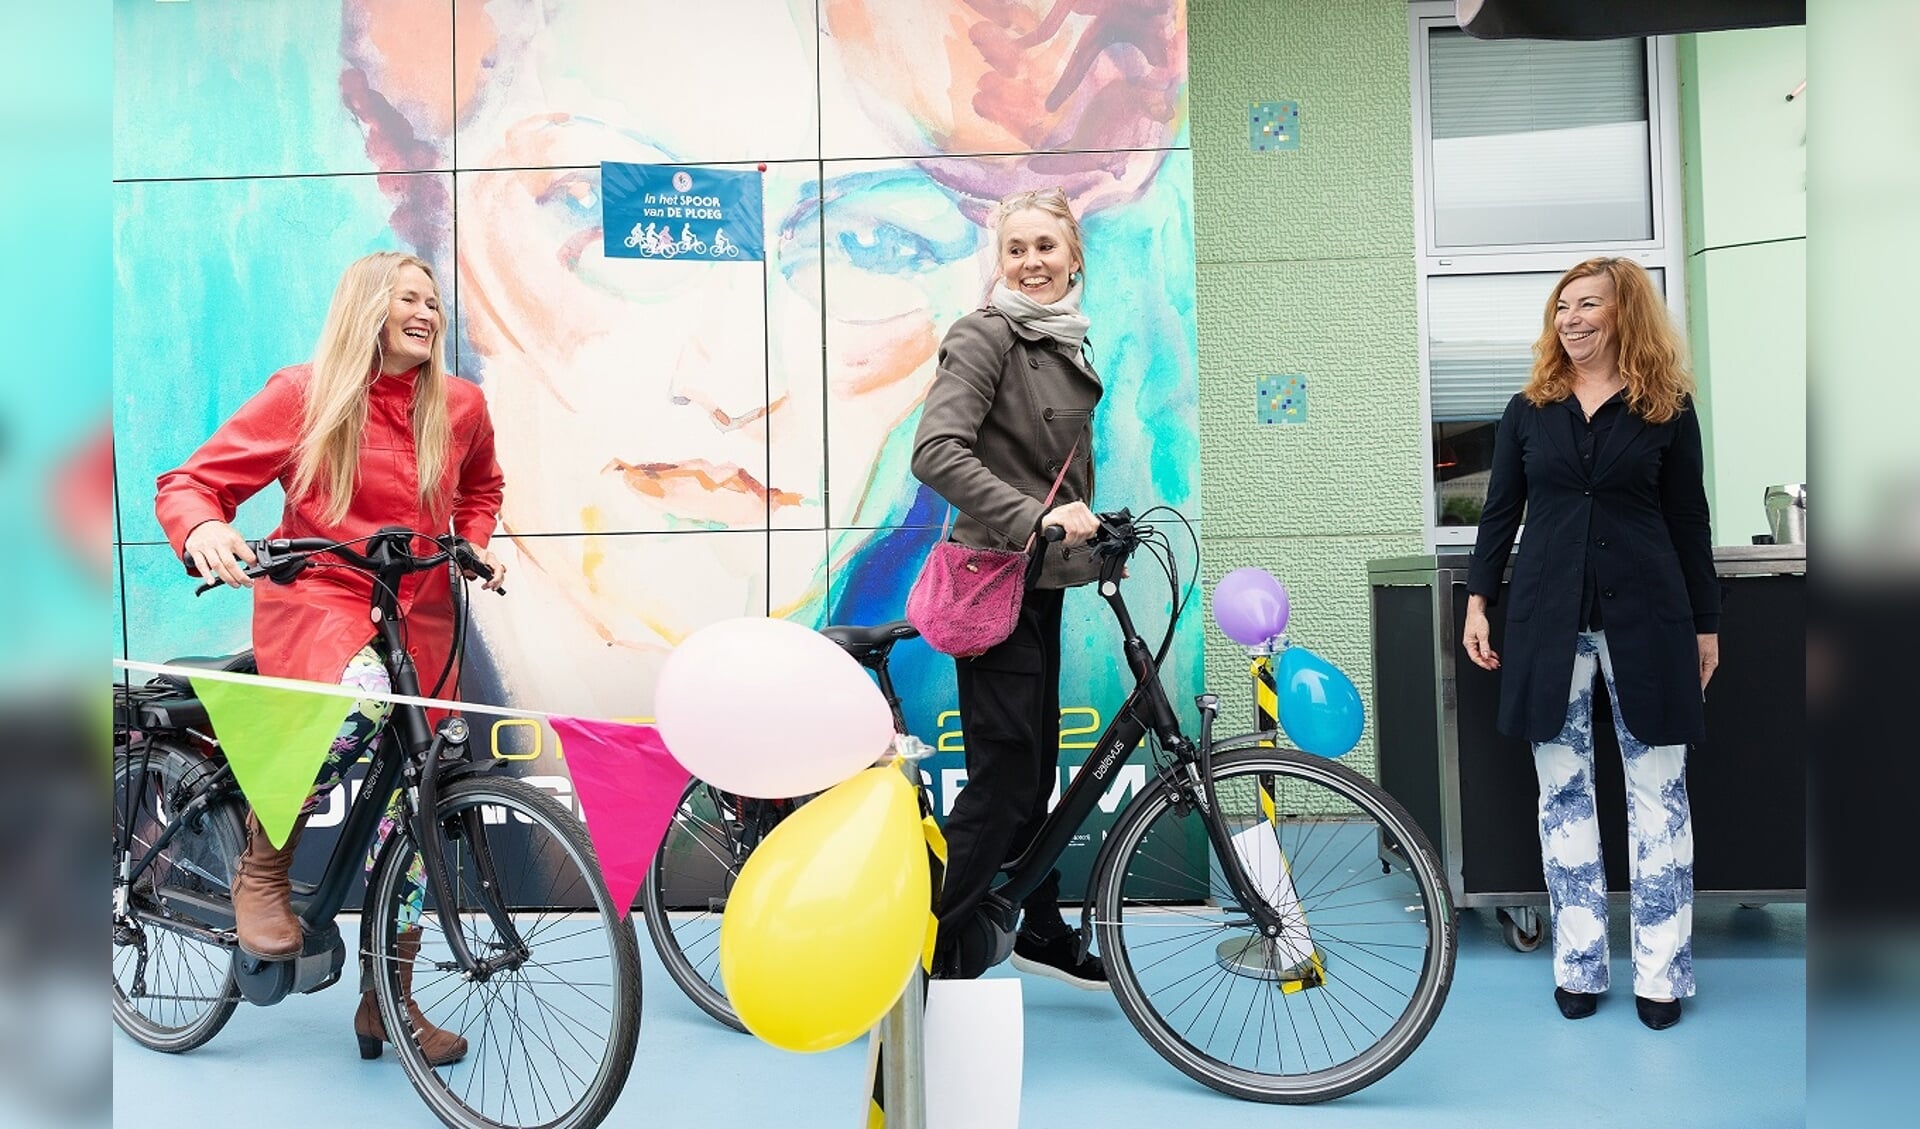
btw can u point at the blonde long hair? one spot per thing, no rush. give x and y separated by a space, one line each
1652 357
347 358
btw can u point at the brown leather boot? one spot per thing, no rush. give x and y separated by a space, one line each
439 1045
263 918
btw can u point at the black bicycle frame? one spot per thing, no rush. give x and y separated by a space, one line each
1146 709
884 679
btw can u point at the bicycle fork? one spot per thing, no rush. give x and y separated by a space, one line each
453 733
1232 866
1283 950
422 794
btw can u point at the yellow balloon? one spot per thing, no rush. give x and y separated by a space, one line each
827 919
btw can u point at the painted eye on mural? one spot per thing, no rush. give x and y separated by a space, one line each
569 215
888 248
893 222
897 223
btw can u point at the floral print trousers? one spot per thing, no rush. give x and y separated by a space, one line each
1661 851
365 672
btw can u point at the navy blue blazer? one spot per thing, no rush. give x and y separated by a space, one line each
1641 517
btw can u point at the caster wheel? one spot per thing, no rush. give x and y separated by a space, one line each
1523 928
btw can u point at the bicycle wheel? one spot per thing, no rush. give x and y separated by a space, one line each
173 983
1357 975
550 1036
687 887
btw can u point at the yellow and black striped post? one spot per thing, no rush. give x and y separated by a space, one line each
1311 972
1266 696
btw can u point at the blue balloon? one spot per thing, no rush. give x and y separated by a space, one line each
1319 706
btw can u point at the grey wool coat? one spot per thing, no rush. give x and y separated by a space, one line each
1006 407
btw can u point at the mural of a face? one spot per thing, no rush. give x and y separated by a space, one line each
682 441
638 403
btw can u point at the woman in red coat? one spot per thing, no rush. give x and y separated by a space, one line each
373 432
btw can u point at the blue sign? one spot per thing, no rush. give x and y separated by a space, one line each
674 212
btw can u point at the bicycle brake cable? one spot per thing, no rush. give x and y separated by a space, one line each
1158 540
464 600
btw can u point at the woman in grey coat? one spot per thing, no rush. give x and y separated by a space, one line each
1011 407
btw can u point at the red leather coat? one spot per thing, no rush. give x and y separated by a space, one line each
310 628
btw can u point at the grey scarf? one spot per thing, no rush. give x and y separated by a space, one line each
1060 320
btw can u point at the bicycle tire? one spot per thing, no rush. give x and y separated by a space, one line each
1352 942
550 882
193 994
701 847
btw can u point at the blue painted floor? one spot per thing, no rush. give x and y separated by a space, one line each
1500 1055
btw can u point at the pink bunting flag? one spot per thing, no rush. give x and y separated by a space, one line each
629 787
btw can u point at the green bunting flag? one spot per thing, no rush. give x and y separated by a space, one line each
275 740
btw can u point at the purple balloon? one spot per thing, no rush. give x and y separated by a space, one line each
1250 606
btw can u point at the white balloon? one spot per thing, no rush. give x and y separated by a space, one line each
767 708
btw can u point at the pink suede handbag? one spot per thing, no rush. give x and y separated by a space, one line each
966 600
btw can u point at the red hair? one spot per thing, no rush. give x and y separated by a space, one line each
1652 357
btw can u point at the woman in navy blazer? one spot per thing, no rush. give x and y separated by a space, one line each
1601 454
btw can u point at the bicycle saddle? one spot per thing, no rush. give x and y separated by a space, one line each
870 642
241 663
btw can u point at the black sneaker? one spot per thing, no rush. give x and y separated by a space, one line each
1060 960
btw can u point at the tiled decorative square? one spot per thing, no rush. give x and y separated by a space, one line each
1273 126
1282 399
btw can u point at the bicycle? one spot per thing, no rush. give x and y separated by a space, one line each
522 950
1243 871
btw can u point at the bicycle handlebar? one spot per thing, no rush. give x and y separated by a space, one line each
1117 536
281 559
1117 533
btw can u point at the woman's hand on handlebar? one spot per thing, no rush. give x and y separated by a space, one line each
498 570
1075 520
217 552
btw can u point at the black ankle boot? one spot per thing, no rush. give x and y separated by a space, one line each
1576 1005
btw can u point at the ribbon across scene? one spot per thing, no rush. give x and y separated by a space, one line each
331 689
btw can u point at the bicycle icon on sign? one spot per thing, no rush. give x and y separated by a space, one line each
654 241
658 241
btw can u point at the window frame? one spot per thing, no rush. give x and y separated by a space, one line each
1665 251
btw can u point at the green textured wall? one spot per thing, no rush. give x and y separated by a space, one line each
1305 266
1745 163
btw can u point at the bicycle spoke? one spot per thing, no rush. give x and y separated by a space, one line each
539 1077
